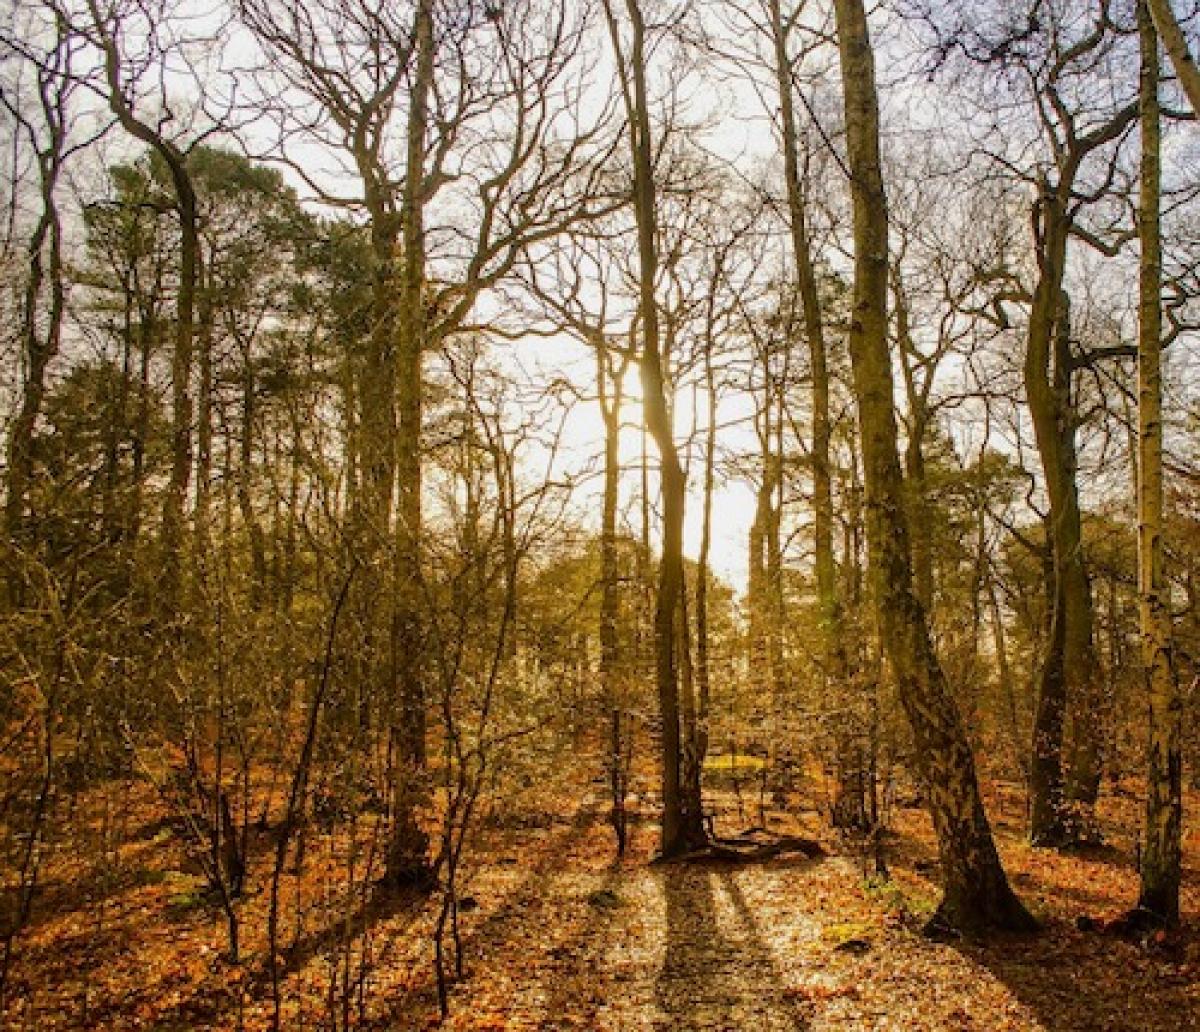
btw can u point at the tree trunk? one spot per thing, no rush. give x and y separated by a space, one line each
408 856
977 895
764 563
1160 867
175 159
914 450
1176 46
1070 676
181 395
835 665
39 346
202 513
1004 678
682 827
689 769
609 388
258 545
1086 703
149 331
774 582
703 660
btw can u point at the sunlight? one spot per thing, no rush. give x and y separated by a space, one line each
324 701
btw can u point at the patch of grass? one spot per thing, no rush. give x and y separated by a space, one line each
893 898
731 763
145 875
843 931
186 894
183 903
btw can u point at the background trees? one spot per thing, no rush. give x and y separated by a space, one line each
399 390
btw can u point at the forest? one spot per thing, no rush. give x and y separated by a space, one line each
600 514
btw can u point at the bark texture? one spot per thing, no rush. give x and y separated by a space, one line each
1070 675
407 858
1161 846
1175 44
977 896
682 824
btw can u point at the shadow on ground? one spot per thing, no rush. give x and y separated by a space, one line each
1089 982
717 971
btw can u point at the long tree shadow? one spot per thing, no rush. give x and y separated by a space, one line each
372 906
715 976
377 904
1087 982
57 897
512 922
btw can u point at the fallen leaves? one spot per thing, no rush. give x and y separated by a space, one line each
556 937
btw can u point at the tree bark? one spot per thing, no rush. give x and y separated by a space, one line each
914 449
1004 676
175 159
1160 867
39 344
407 857
1070 666
682 827
703 659
610 382
246 440
45 263
977 895
765 560
202 511
835 663
1069 679
1175 43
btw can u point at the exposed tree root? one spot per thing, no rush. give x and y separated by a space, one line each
754 845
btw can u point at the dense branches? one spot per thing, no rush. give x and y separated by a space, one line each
420 412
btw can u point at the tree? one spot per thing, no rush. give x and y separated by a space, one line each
444 230
125 283
110 30
357 106
976 895
836 664
1042 69
1177 49
682 823
43 111
1160 859
1070 675
582 299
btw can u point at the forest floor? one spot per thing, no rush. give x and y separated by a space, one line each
556 934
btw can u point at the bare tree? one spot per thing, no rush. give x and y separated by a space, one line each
976 890
39 93
439 77
150 119
1042 71
682 824
1160 858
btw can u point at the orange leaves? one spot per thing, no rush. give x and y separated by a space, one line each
563 940
822 992
491 1021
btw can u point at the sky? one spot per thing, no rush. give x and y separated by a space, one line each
545 360
738 130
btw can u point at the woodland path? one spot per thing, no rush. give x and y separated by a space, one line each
581 942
